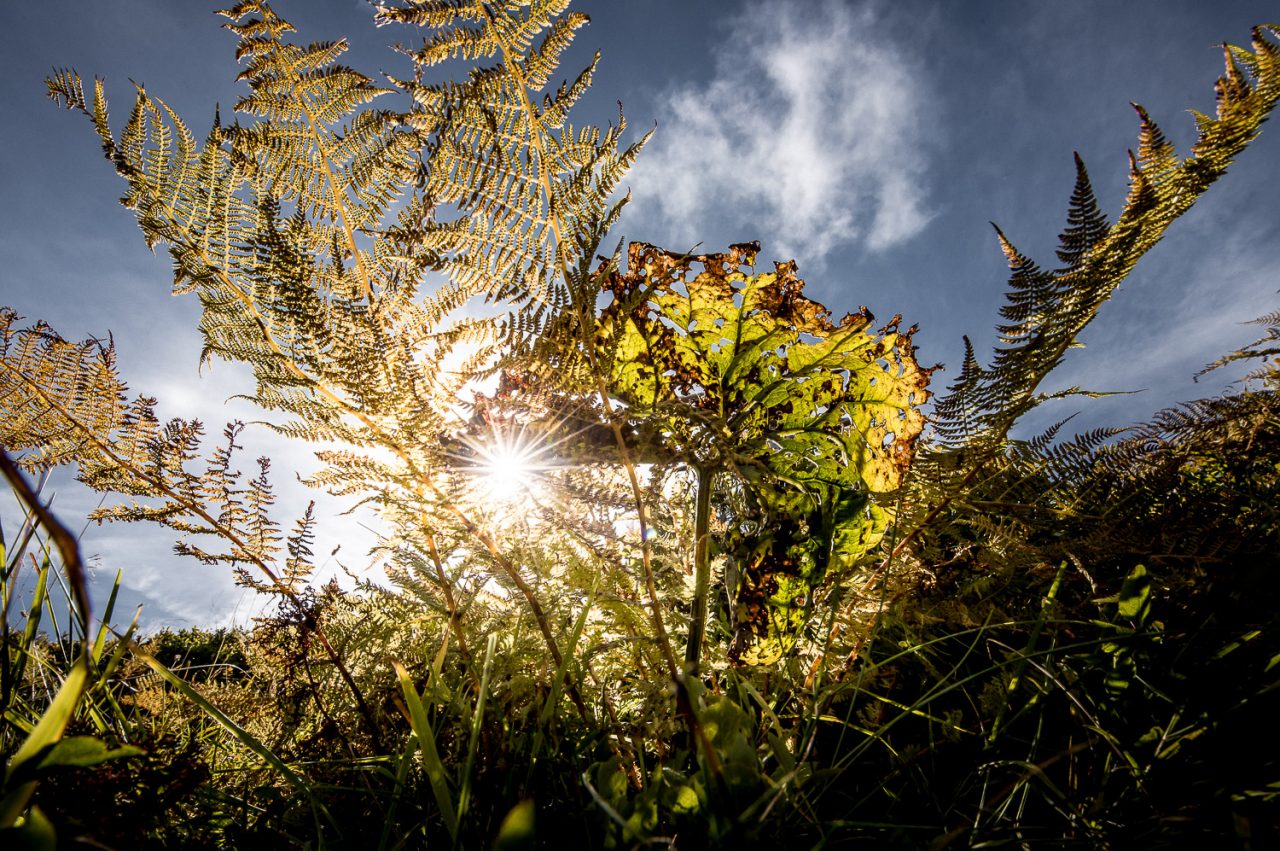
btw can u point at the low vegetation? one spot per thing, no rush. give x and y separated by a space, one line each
673 557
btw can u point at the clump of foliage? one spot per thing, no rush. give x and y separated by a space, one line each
799 420
893 636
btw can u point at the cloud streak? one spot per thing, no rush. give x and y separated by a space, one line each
809 128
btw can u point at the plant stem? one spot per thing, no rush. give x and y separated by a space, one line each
701 571
455 617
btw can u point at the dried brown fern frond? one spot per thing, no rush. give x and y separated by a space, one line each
1265 349
1045 311
335 246
49 387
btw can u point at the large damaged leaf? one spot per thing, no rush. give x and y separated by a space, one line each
799 421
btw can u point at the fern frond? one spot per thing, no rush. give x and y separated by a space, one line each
1048 310
1265 349
970 458
48 388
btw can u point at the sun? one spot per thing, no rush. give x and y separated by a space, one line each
509 469
508 473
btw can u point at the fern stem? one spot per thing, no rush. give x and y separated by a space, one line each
455 617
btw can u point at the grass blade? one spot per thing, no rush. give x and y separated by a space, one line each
477 721
48 731
100 641
227 723
436 774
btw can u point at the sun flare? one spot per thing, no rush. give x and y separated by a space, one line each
509 468
508 473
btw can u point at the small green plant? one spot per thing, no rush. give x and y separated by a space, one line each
44 717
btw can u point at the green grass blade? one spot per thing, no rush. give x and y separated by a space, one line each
117 655
55 718
34 614
436 774
100 641
227 723
477 721
48 731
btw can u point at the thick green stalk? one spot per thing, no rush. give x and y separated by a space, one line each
701 571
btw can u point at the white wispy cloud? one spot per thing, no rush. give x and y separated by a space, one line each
809 128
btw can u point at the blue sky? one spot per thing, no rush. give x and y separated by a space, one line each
872 142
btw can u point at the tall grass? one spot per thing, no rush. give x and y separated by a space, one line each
47 684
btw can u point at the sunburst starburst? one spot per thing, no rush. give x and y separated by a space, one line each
509 469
